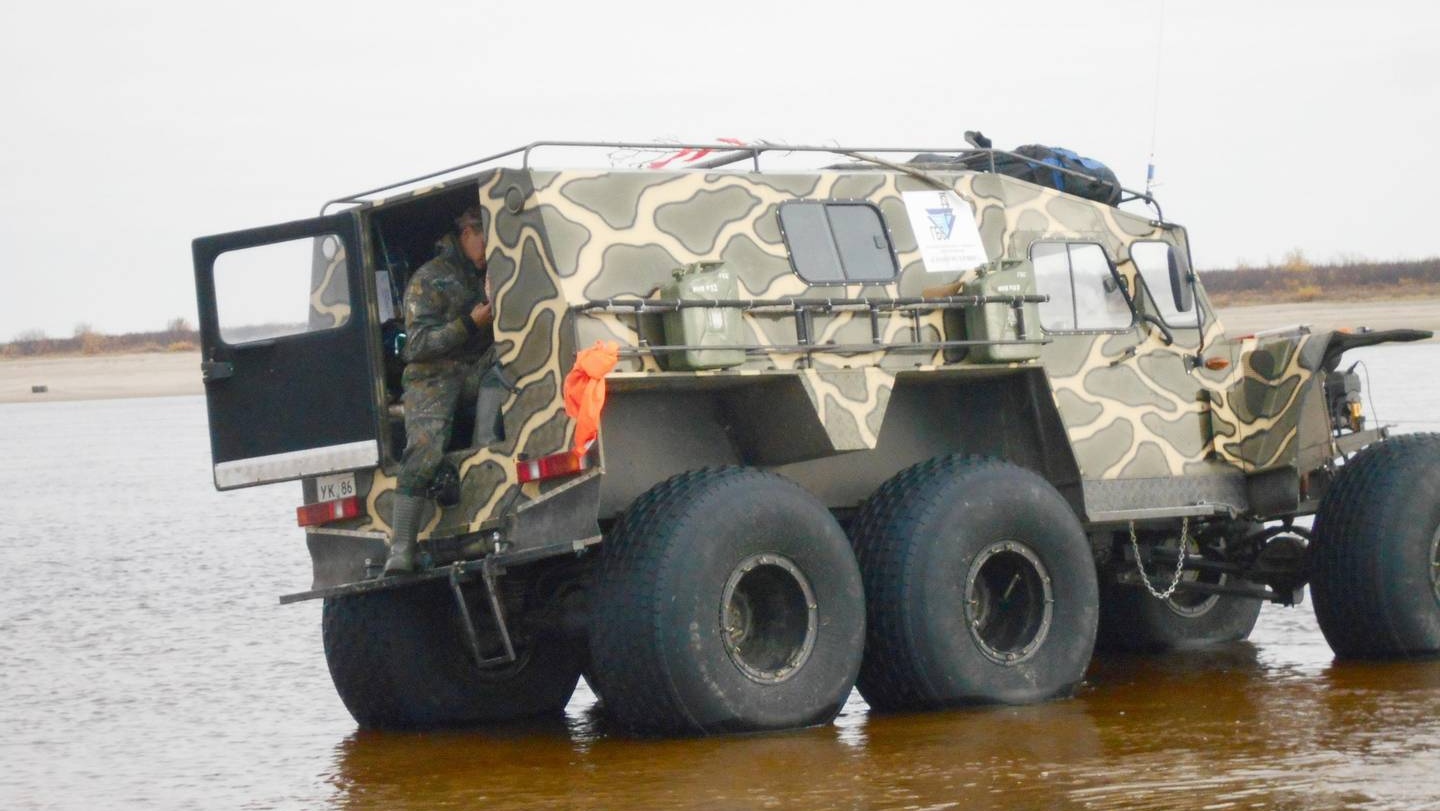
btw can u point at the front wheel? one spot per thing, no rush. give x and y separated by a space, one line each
980 585
1375 562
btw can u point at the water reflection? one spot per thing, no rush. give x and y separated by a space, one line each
1226 728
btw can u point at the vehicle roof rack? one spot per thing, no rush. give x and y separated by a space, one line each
726 153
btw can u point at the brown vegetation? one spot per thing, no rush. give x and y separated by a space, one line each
178 336
1297 280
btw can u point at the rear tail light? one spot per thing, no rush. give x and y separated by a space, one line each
327 511
565 463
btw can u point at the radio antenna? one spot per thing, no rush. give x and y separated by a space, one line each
1155 107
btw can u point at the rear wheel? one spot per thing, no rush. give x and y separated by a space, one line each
1375 562
727 600
399 660
980 588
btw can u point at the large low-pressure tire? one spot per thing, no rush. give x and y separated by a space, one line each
980 587
726 600
1134 621
1375 561
399 660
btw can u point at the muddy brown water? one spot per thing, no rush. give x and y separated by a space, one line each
144 663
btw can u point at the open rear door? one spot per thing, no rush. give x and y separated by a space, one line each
286 353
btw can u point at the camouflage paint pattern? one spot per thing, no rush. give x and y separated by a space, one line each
330 291
1132 405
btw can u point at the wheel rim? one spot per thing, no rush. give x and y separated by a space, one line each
1009 604
768 618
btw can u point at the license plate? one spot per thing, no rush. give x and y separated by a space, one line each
329 488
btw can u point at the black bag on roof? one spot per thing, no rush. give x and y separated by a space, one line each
1092 180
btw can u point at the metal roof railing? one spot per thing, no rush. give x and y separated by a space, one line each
730 153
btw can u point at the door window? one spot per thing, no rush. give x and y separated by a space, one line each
1085 293
282 288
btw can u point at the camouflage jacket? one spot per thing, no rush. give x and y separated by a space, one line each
438 299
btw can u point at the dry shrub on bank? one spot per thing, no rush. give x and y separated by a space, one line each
1298 280
178 336
93 343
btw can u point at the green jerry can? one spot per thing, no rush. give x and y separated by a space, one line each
999 321
719 327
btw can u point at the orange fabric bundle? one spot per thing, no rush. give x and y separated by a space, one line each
585 390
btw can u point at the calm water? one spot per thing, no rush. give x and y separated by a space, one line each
144 663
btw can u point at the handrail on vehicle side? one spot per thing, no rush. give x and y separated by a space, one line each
732 153
804 308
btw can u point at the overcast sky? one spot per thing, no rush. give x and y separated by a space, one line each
130 128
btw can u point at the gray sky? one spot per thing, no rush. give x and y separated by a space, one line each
132 127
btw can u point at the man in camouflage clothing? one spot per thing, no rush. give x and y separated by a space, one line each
447 350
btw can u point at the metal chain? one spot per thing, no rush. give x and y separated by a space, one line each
1179 561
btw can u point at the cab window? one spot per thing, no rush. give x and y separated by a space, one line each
1085 293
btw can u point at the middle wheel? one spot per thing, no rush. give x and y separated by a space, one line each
726 600
980 585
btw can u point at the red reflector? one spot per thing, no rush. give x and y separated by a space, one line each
553 466
327 511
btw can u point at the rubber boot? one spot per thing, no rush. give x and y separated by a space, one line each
405 521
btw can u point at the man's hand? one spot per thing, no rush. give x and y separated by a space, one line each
482 314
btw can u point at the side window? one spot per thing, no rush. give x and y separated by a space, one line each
1084 292
1052 278
1152 259
280 289
837 243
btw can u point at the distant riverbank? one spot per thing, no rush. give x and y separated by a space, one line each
99 377
1397 314
161 374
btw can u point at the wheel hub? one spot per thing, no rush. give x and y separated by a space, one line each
1009 605
768 618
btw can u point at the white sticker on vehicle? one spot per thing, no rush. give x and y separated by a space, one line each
945 229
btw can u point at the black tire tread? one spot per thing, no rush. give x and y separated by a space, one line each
628 619
1363 509
628 576
398 662
893 680
890 681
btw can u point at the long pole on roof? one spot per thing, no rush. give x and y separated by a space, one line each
1155 107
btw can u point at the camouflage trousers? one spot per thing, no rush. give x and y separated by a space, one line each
431 398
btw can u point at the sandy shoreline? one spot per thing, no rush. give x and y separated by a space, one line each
1396 314
100 377
161 374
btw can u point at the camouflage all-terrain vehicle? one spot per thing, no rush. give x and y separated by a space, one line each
911 424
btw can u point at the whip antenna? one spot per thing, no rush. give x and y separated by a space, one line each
1155 108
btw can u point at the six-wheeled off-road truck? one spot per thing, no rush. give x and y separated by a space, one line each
908 424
